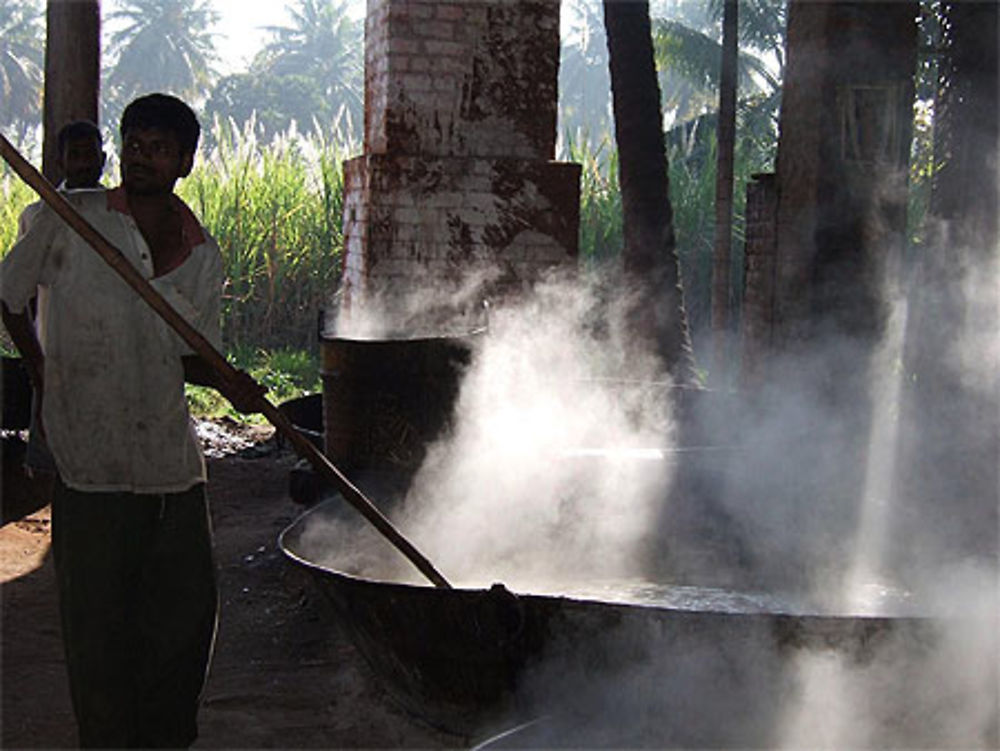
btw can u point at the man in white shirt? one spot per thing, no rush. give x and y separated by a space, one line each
81 161
131 532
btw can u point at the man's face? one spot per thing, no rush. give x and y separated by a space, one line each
82 162
152 161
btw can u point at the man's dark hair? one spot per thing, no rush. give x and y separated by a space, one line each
166 112
77 131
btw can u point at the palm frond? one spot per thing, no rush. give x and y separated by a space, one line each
695 56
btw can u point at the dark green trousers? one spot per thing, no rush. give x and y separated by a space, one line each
138 603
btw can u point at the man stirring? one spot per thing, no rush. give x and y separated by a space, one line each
131 535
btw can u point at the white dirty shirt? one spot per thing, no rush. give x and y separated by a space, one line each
114 409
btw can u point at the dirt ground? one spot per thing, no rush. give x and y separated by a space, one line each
283 676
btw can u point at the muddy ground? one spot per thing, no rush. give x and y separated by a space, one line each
283 676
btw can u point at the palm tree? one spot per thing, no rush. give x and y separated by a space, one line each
687 53
689 59
322 43
163 45
22 55
271 103
700 101
650 254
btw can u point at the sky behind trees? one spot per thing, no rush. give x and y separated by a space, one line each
241 28
302 60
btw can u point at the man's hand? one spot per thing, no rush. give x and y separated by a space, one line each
243 392
240 389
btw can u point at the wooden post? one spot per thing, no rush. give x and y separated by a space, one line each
72 71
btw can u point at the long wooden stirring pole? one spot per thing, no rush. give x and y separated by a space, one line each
216 361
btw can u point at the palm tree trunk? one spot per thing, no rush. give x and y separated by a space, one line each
72 72
721 272
650 256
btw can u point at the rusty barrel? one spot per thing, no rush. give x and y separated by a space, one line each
386 400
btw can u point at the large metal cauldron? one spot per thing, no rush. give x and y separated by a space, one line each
473 661
385 400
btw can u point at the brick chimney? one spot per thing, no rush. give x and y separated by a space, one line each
456 197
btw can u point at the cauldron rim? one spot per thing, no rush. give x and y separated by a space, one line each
807 614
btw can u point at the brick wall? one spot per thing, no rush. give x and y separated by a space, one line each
456 197
466 78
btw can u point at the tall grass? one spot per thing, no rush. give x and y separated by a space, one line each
600 199
275 210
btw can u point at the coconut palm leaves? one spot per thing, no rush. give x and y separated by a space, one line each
689 59
309 74
687 50
162 45
22 54
322 43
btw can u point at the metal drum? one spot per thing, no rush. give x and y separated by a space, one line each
385 400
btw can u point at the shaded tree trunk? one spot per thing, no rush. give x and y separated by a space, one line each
721 271
949 472
650 257
72 71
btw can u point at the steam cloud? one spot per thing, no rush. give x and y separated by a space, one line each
554 471
561 476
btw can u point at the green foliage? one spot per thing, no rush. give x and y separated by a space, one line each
923 163
207 402
161 45
923 168
287 373
600 199
271 102
22 53
692 153
687 46
14 196
325 46
276 213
